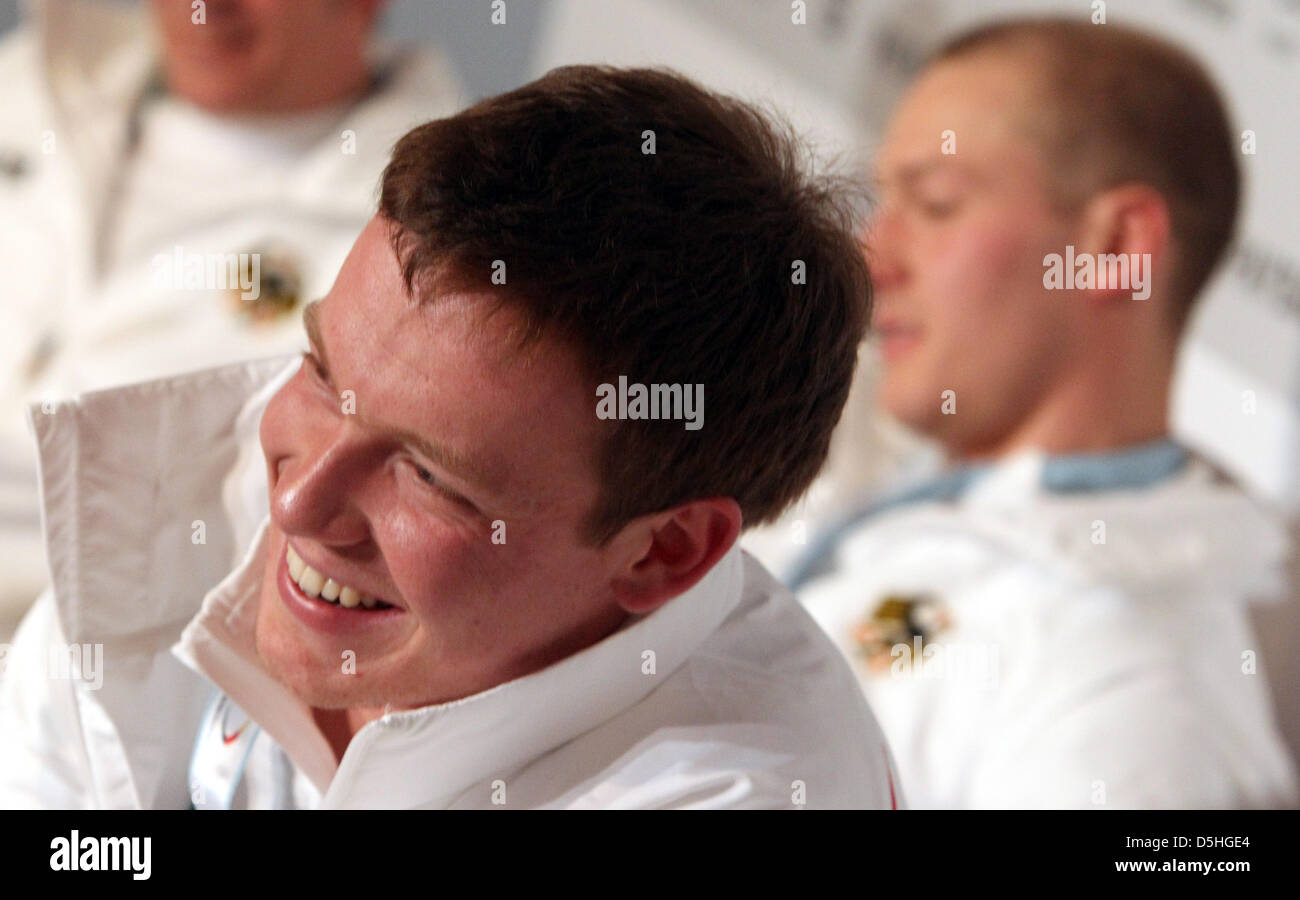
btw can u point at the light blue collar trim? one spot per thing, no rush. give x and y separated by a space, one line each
1133 467
1138 466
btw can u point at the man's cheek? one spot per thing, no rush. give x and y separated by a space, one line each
434 562
993 241
953 272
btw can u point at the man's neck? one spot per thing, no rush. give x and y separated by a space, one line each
1071 436
1118 406
339 725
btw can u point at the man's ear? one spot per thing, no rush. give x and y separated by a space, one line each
1128 219
675 549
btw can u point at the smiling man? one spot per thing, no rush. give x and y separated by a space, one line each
472 590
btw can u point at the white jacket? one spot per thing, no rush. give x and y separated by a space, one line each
1078 649
78 315
744 703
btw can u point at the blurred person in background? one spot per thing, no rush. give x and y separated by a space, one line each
175 180
1059 619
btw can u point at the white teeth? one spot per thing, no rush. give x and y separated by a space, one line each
311 582
296 565
315 584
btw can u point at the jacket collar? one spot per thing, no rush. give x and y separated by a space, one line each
429 756
100 63
1023 477
1033 472
135 532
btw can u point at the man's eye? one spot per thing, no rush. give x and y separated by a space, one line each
938 209
431 480
424 475
316 368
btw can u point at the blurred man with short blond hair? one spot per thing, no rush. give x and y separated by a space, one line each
1058 619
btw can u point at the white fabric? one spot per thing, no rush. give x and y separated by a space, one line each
1075 672
88 212
749 704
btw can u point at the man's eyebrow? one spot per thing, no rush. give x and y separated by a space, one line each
914 172
456 463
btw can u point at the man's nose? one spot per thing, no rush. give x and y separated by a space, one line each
884 243
318 495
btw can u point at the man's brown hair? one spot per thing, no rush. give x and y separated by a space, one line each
716 259
1121 105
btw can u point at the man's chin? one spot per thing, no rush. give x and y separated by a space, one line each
919 410
319 682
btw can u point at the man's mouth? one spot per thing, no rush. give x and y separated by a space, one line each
321 587
896 338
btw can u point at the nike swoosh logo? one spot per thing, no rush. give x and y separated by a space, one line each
234 737
231 738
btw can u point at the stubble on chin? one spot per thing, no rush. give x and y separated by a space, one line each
287 661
